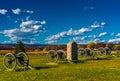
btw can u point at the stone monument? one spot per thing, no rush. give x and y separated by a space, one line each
72 51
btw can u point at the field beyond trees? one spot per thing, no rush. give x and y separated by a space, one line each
104 69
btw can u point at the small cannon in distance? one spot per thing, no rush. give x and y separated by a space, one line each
99 52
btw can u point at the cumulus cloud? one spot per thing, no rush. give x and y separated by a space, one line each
102 34
78 39
98 25
3 11
43 22
16 11
97 37
70 32
96 40
116 40
26 31
29 11
80 31
29 23
93 36
118 34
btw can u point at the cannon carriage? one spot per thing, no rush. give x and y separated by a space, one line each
83 52
60 55
10 61
103 51
56 56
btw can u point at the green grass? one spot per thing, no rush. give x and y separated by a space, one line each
84 70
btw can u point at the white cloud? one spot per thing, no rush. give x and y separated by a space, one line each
36 27
116 40
93 36
118 34
103 23
70 32
96 40
3 11
29 23
80 31
102 34
26 23
7 42
26 31
98 25
16 11
78 39
29 11
43 22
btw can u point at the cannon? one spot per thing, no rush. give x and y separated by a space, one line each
103 51
83 52
10 60
56 56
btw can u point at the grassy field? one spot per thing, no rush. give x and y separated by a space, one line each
106 69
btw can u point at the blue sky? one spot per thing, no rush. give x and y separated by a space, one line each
59 21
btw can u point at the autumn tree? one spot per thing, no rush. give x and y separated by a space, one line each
53 48
101 44
91 45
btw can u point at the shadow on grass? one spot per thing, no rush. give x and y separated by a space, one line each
34 68
95 58
77 61
46 66
42 67
103 58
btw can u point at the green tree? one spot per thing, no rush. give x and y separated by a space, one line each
19 47
117 47
91 45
